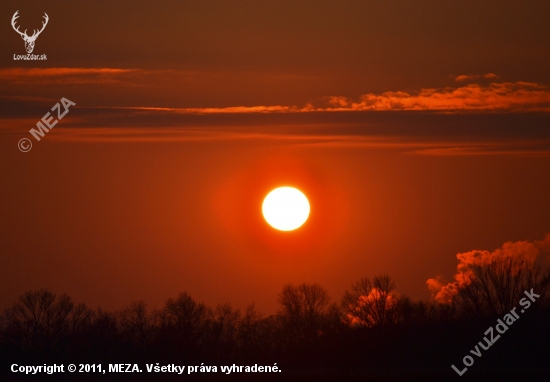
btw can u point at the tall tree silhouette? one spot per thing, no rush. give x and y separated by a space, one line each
250 331
41 320
224 326
137 324
184 326
305 311
494 288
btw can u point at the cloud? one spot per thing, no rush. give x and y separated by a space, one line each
525 149
496 97
201 134
219 110
64 75
48 72
423 134
530 252
307 125
471 77
516 96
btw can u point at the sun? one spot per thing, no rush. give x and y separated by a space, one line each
285 208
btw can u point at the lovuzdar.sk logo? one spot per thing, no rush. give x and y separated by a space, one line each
29 40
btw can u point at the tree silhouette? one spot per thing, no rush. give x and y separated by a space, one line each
496 287
103 336
249 332
184 325
137 324
41 320
306 334
414 312
224 325
305 311
371 303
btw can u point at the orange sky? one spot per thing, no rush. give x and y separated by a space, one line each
417 130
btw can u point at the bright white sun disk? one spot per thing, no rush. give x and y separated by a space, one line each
285 208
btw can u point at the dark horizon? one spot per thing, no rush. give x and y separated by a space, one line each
310 336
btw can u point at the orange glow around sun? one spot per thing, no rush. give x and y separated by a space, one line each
286 208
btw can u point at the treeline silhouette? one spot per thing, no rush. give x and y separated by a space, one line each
374 333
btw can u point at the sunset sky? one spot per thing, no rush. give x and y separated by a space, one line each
418 130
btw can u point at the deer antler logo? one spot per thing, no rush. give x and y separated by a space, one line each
29 40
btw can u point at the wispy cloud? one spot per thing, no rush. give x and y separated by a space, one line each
496 97
523 148
49 72
219 110
64 75
28 99
77 129
471 77
516 96
333 122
